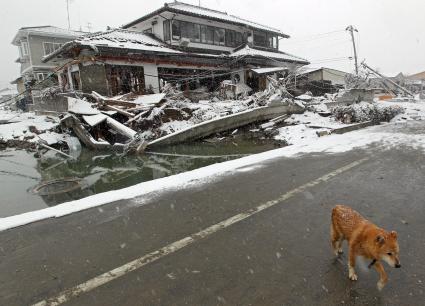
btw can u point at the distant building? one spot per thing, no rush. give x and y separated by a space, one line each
418 76
180 43
323 74
320 80
33 44
7 94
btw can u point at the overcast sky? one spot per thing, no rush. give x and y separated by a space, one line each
391 33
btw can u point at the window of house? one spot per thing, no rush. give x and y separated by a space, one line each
190 31
203 34
238 39
176 30
24 48
260 39
207 34
230 38
50 47
196 34
147 31
166 25
219 36
40 76
275 44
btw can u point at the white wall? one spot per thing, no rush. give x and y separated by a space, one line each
151 76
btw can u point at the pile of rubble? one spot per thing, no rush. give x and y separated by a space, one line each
362 112
135 120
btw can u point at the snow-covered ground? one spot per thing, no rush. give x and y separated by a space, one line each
19 129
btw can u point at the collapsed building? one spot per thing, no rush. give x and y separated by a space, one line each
189 46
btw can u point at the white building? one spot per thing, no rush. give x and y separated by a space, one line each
179 43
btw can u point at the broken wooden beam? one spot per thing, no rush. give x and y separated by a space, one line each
120 111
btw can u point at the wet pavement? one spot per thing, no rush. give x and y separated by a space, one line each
280 256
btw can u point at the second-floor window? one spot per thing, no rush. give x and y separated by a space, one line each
166 24
50 47
24 50
205 34
264 39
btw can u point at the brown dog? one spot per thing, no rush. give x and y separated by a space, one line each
364 239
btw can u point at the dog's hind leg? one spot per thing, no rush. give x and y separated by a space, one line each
351 262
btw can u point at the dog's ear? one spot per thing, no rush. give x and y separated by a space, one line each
380 239
393 234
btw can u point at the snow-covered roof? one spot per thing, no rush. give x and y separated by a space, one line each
305 70
278 55
268 70
118 39
46 31
203 12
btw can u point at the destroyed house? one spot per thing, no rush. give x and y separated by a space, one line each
183 44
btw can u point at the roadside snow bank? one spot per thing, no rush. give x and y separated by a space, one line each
329 144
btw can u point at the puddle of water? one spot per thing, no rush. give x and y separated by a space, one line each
23 177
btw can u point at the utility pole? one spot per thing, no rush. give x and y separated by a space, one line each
351 29
388 80
67 10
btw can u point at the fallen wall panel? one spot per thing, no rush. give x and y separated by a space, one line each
226 123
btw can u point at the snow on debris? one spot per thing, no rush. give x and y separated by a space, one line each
304 128
81 107
149 99
24 126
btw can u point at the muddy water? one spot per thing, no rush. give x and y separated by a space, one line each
28 184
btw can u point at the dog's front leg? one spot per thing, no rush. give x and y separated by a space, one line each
352 262
383 278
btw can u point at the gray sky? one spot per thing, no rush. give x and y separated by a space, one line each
391 33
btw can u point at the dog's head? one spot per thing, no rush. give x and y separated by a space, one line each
388 248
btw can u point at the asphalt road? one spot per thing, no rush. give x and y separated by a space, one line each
278 256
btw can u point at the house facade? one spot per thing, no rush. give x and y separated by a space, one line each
36 42
183 44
